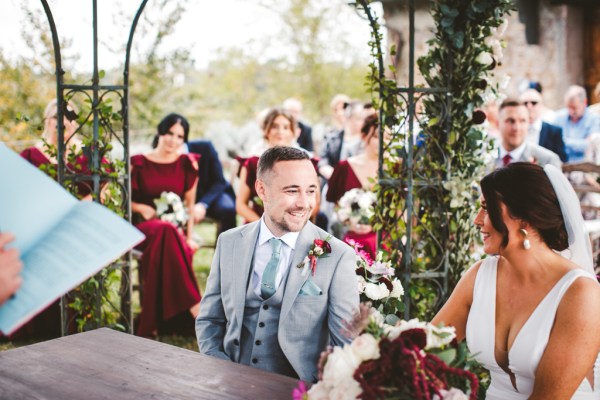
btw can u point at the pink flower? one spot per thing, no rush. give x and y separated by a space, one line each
299 393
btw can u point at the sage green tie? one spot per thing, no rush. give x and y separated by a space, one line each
267 284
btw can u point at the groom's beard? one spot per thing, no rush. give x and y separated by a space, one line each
288 222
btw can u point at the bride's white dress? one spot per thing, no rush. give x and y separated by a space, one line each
528 346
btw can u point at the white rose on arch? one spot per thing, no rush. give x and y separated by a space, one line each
485 58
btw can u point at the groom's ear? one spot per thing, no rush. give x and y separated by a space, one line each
259 185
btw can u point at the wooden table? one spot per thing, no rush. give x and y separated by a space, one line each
105 364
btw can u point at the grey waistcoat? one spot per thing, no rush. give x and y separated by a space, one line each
259 344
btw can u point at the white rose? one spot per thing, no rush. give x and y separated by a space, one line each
365 347
365 201
452 394
340 365
319 391
376 291
395 331
317 251
348 389
361 283
439 336
398 290
376 317
484 58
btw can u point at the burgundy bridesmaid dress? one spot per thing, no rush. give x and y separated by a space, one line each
170 288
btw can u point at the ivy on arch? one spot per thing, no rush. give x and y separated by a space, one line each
428 178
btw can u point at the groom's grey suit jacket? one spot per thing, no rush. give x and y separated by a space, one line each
307 324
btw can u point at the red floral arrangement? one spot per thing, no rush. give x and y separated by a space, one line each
411 360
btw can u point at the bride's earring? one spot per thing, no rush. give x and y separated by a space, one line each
526 244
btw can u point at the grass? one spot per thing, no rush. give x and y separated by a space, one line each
207 232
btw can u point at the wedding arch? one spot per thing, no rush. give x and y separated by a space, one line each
105 299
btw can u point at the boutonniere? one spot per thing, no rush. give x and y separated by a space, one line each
319 248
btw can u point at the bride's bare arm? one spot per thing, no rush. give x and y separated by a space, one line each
573 345
456 310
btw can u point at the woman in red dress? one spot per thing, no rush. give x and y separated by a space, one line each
171 297
354 173
278 131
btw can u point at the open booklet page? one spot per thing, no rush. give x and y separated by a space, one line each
62 241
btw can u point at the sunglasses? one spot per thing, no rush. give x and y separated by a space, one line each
532 102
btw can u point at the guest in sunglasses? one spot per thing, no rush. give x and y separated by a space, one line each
541 132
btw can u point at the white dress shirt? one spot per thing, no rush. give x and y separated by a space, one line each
262 255
533 136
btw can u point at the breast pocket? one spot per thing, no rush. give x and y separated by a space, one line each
310 289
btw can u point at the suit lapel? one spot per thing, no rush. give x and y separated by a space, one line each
543 134
243 250
526 155
295 278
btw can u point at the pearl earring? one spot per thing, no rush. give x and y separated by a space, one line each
526 243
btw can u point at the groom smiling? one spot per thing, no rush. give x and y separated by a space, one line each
261 306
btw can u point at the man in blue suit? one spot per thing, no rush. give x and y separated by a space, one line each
215 197
540 132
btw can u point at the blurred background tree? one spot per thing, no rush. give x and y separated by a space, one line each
317 61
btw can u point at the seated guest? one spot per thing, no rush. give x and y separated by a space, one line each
343 144
43 154
171 297
529 311
278 129
513 124
576 122
546 135
214 197
303 130
356 172
338 112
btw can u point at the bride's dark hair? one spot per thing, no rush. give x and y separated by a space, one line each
526 191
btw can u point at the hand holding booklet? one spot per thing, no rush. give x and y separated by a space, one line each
62 241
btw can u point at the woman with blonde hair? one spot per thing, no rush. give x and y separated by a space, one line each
278 130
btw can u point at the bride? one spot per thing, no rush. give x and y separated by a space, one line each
530 310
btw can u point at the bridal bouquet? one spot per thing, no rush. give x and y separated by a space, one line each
170 208
356 207
410 360
377 282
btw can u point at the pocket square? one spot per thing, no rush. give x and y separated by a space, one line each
310 289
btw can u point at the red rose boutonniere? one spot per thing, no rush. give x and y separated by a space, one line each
319 248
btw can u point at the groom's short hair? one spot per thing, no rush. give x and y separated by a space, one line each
275 154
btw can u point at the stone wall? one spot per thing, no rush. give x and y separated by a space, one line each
556 62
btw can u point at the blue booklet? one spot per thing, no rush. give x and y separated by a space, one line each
62 241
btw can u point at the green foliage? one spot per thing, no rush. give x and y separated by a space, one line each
426 199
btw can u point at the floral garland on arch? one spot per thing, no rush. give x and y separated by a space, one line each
410 360
451 152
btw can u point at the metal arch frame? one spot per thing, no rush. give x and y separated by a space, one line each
438 276
97 93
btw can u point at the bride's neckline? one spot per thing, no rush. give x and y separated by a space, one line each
526 323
